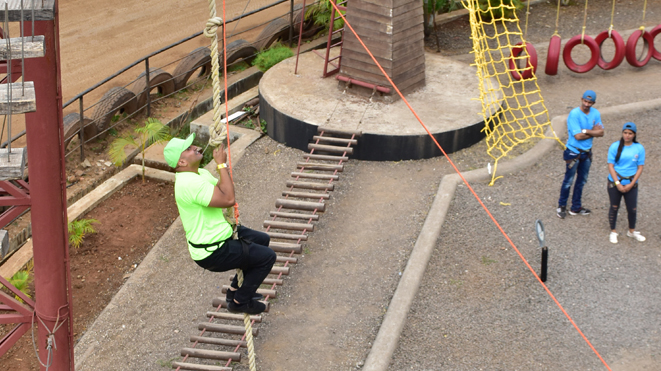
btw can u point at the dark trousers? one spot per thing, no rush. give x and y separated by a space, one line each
577 165
630 199
256 265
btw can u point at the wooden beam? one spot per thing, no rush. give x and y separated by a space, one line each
44 10
22 100
34 47
12 165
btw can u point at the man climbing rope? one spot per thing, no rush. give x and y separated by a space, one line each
583 124
200 199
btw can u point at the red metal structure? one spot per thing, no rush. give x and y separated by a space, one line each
46 195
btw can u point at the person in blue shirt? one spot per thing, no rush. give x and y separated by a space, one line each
583 124
626 158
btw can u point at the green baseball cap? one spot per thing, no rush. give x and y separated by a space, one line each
175 147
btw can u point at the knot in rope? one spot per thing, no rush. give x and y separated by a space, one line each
212 27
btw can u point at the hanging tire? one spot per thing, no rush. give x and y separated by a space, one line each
594 50
657 50
117 100
619 49
531 61
553 56
198 59
631 48
274 31
158 79
72 128
239 50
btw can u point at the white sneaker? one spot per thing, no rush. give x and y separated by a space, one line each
613 237
636 235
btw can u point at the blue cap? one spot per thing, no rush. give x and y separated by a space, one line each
629 126
590 95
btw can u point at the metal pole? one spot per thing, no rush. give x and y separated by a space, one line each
81 134
545 262
291 22
148 88
48 198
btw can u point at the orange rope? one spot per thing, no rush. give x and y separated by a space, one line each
471 188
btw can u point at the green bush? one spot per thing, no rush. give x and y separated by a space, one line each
272 56
78 229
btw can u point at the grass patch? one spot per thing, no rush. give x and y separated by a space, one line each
272 56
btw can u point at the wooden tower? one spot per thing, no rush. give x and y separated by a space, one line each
394 33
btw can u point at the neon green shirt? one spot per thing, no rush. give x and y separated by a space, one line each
203 224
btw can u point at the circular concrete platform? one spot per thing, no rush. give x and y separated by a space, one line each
294 106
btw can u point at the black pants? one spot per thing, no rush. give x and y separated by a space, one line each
630 199
256 266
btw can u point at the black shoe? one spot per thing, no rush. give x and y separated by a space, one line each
229 296
561 211
251 307
581 211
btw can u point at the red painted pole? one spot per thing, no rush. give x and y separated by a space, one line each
48 191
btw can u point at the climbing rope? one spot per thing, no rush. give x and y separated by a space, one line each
585 20
479 200
218 131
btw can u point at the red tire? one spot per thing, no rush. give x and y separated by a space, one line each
590 43
531 61
631 48
553 56
657 51
619 49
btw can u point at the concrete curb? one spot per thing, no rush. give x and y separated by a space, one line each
394 321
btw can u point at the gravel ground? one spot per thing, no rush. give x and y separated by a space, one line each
480 308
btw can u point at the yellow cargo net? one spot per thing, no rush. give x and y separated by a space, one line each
513 108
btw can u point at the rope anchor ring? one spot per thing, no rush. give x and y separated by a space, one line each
531 61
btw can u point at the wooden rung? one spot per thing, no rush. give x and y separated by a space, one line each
289 226
319 166
310 185
344 141
300 205
287 259
287 236
12 165
327 148
294 215
222 302
22 47
210 354
327 130
315 176
325 157
44 10
285 247
22 100
265 292
279 270
219 341
314 196
268 281
226 329
232 316
196 367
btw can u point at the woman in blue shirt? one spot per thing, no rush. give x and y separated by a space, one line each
625 165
